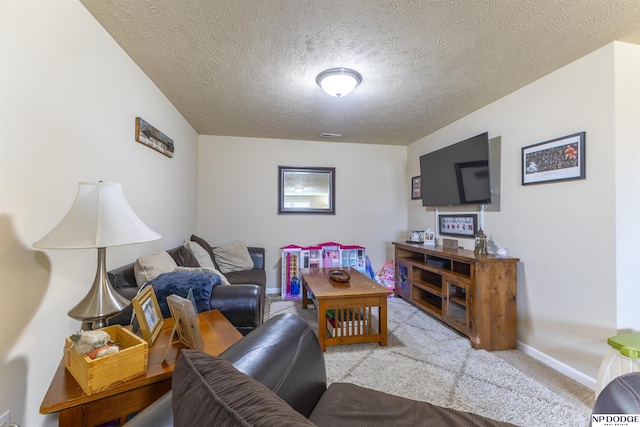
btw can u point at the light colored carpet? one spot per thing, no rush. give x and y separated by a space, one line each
428 361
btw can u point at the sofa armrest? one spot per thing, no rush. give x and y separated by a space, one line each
242 305
283 354
257 255
620 396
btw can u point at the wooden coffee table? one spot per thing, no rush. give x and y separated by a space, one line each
129 397
352 302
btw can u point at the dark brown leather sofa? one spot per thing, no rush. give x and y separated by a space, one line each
283 358
275 376
242 303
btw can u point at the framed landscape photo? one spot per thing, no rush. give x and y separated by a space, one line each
458 225
153 138
147 311
559 159
416 190
185 321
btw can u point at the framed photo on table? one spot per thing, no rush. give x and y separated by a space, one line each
147 311
185 321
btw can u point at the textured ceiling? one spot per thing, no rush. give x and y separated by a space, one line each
248 67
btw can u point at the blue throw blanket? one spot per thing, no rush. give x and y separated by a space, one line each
180 283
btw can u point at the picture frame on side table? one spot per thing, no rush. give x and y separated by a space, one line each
560 159
458 225
416 188
185 321
147 311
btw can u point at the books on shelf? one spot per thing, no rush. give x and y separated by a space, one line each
354 323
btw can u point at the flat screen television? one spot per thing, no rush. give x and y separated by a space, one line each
457 174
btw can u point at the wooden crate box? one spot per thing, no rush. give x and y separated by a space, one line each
95 375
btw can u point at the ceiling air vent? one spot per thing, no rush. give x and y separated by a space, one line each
330 135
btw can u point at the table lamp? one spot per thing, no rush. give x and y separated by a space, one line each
99 217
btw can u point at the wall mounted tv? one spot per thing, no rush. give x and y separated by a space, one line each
457 174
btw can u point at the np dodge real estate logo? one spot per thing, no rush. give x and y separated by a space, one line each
615 420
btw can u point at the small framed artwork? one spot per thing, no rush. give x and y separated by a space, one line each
153 138
458 225
559 159
185 321
147 311
416 192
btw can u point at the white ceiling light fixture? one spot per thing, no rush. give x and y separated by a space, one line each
338 82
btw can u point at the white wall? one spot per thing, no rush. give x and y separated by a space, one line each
564 233
238 192
627 175
70 96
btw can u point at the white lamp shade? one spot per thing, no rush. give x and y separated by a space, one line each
99 217
339 82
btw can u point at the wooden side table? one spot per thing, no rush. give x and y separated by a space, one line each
119 402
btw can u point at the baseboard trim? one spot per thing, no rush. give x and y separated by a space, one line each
561 367
272 291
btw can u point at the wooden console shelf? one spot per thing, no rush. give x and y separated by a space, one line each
474 294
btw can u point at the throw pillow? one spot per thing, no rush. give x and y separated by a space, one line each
184 257
204 270
207 247
149 267
233 257
180 283
224 396
201 255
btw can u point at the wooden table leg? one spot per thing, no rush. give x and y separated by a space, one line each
304 290
383 321
71 417
322 324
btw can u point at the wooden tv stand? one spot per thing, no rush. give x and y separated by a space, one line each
474 294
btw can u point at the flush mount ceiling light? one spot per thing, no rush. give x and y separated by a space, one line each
338 82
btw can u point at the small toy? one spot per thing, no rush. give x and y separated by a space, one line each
94 344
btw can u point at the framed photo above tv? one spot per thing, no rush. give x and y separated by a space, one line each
559 159
458 225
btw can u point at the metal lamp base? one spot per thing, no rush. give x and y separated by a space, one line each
102 301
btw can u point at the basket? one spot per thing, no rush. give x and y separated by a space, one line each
95 375
339 276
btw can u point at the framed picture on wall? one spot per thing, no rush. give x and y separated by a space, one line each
416 189
560 159
153 138
458 225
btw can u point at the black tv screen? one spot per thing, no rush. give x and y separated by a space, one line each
457 174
